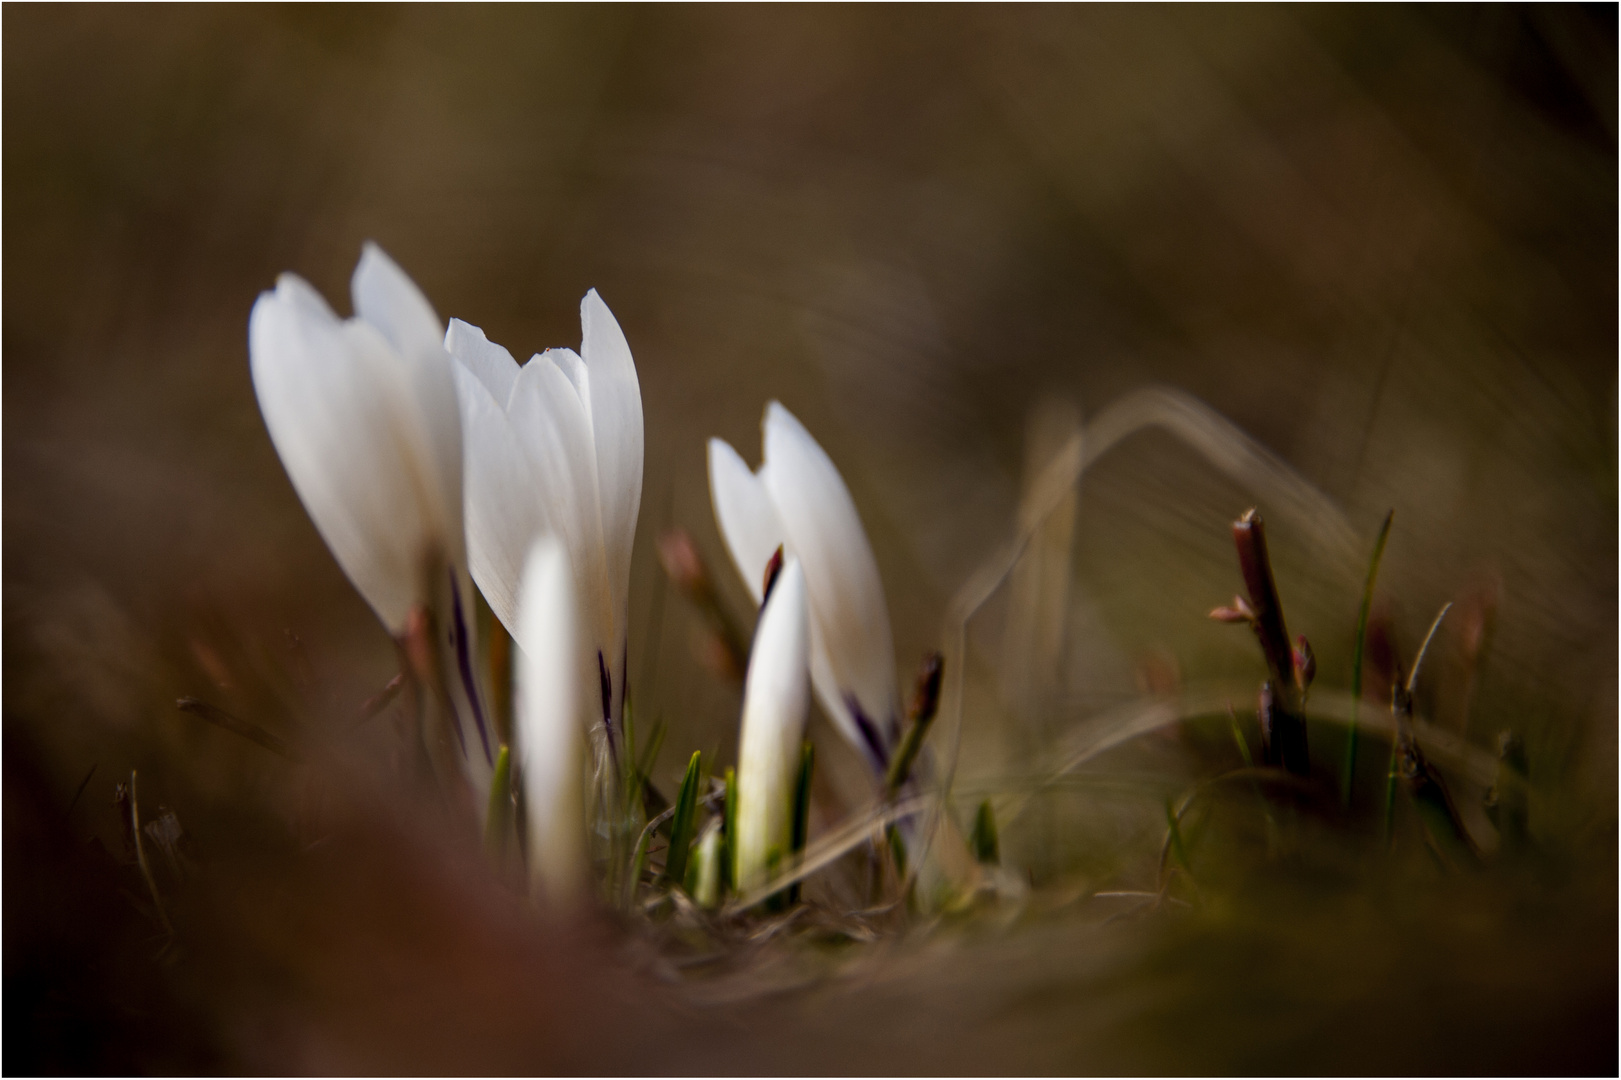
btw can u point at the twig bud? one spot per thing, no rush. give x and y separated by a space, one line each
1240 612
1305 663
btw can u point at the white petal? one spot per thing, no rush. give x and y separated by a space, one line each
775 699
503 508
491 363
836 707
548 724
615 402
850 618
573 368
551 425
748 522
342 412
388 299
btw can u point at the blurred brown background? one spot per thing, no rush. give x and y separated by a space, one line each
1382 241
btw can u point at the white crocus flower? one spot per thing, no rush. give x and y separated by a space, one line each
775 699
798 500
555 446
548 723
363 412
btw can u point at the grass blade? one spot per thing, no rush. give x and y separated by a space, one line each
983 842
498 818
926 702
1349 771
252 732
681 828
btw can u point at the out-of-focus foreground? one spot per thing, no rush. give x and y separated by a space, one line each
1382 242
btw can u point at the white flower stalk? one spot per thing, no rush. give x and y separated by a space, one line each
776 696
798 500
555 446
548 723
363 412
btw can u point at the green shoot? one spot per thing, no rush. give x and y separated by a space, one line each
681 829
1356 659
897 848
1238 737
983 840
925 703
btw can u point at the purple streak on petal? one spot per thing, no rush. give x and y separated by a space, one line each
876 747
464 665
607 702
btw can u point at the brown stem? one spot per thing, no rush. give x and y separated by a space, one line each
1249 535
1283 730
1283 734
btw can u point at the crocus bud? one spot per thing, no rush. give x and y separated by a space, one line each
775 700
548 725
